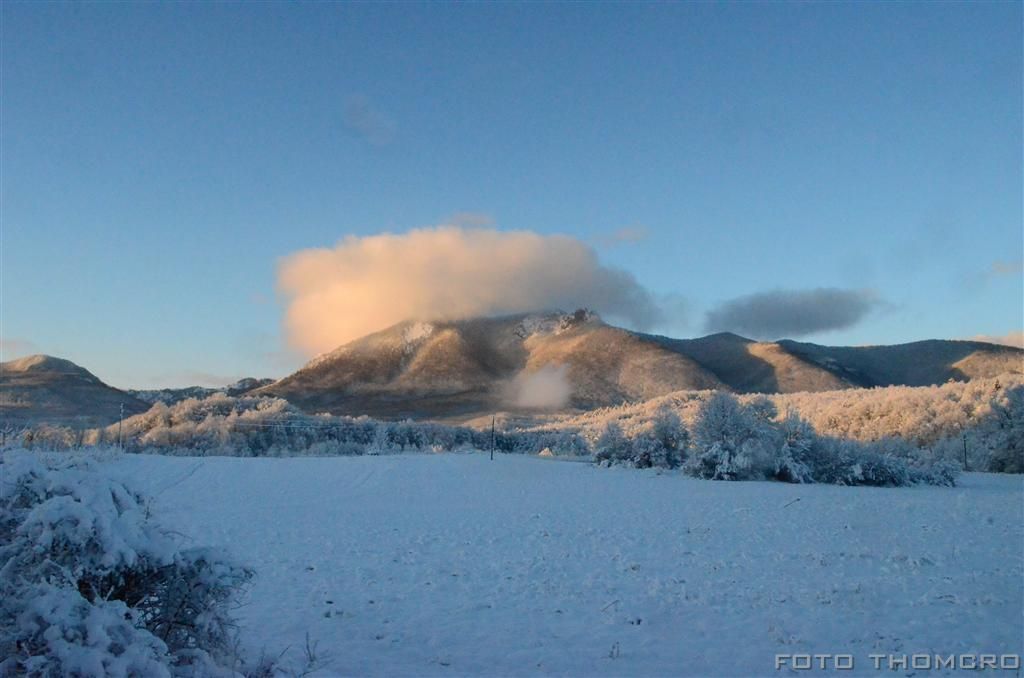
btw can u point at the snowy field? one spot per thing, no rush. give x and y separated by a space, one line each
453 565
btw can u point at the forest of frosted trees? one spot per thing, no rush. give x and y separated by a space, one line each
882 436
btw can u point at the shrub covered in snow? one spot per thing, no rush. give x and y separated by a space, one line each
733 441
257 426
936 421
1005 433
662 444
736 441
997 443
612 445
858 436
90 586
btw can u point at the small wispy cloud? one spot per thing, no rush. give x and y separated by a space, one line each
12 347
1014 338
471 220
634 233
1006 268
626 235
545 389
364 118
792 313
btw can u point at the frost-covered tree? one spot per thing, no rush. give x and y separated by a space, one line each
381 443
612 445
795 460
732 441
672 437
1005 430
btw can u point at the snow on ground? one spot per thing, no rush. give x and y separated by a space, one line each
454 565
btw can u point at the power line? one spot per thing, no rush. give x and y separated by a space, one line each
323 426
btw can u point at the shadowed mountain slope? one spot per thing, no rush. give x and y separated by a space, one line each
920 363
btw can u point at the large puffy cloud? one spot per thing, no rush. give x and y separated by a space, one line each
792 313
364 284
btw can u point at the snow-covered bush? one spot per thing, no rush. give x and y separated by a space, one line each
995 443
933 419
1004 433
612 446
48 437
671 436
733 441
90 586
795 460
54 631
737 441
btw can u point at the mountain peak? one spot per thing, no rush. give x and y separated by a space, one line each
730 336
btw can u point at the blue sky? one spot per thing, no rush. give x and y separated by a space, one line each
159 160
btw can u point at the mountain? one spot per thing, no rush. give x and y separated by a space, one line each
169 396
920 363
462 368
43 389
465 367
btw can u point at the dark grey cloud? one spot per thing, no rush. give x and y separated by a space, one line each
363 117
792 313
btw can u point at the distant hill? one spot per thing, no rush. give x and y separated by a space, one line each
460 369
169 396
43 389
921 363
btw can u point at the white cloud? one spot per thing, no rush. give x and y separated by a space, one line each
11 348
365 284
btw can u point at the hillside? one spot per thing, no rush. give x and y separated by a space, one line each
920 363
464 367
523 364
43 389
461 369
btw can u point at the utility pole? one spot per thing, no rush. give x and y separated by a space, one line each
120 422
966 467
492 436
